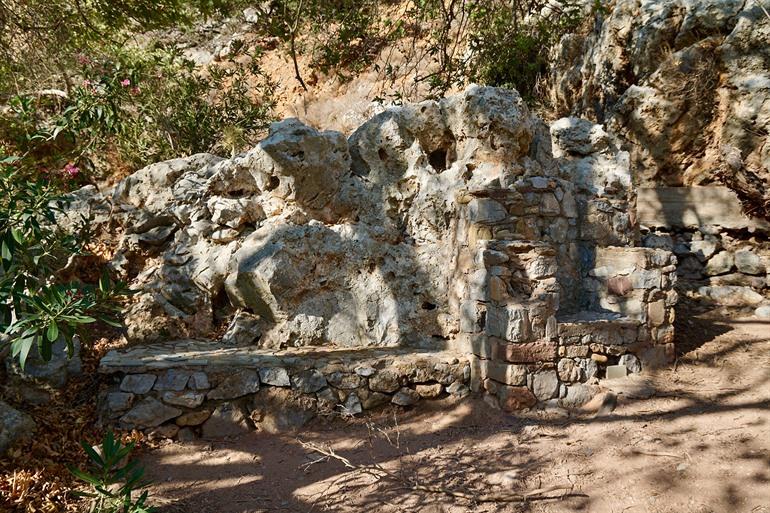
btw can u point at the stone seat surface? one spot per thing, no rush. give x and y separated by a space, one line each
203 388
210 355
587 316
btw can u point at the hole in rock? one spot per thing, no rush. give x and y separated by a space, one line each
221 306
427 305
468 173
382 154
238 193
437 159
272 183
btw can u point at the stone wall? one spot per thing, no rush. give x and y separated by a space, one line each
194 388
725 267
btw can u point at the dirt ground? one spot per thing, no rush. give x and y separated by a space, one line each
691 438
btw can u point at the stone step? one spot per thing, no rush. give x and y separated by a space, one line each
192 384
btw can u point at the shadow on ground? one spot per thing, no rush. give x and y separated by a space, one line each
691 438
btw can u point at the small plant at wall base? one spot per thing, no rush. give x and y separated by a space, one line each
113 478
36 310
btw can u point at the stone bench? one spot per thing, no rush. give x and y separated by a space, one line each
204 388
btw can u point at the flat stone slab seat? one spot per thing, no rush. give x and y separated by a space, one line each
188 384
601 328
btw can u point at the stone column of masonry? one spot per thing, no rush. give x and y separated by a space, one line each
511 293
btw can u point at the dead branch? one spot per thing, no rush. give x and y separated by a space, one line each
381 473
293 46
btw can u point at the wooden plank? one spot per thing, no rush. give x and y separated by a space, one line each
692 207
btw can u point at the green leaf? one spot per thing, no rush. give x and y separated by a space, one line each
53 332
104 283
18 235
84 476
92 453
20 348
110 322
45 348
5 251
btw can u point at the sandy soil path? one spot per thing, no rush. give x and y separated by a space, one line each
692 438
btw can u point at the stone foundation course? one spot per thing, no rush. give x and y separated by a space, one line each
198 388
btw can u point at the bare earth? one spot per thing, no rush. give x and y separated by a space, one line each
691 438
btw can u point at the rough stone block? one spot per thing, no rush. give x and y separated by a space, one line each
275 376
656 312
721 263
198 381
385 381
510 323
344 380
577 395
138 384
486 211
631 363
545 385
185 399
308 381
405 397
193 418
119 401
569 371
619 285
429 391
481 345
514 398
616 371
148 413
748 262
240 383
173 380
510 374
531 352
470 314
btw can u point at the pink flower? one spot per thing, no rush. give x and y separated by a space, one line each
86 82
71 170
135 90
125 82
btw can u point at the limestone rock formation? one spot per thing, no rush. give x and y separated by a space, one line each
684 85
321 240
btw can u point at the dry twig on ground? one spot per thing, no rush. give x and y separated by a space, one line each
380 473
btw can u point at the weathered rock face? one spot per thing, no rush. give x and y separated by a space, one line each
327 241
14 425
683 84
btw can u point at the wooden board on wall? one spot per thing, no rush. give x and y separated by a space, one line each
691 207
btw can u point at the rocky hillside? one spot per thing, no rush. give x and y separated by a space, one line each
684 85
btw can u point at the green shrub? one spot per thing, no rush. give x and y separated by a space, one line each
134 107
444 43
35 309
510 41
113 478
